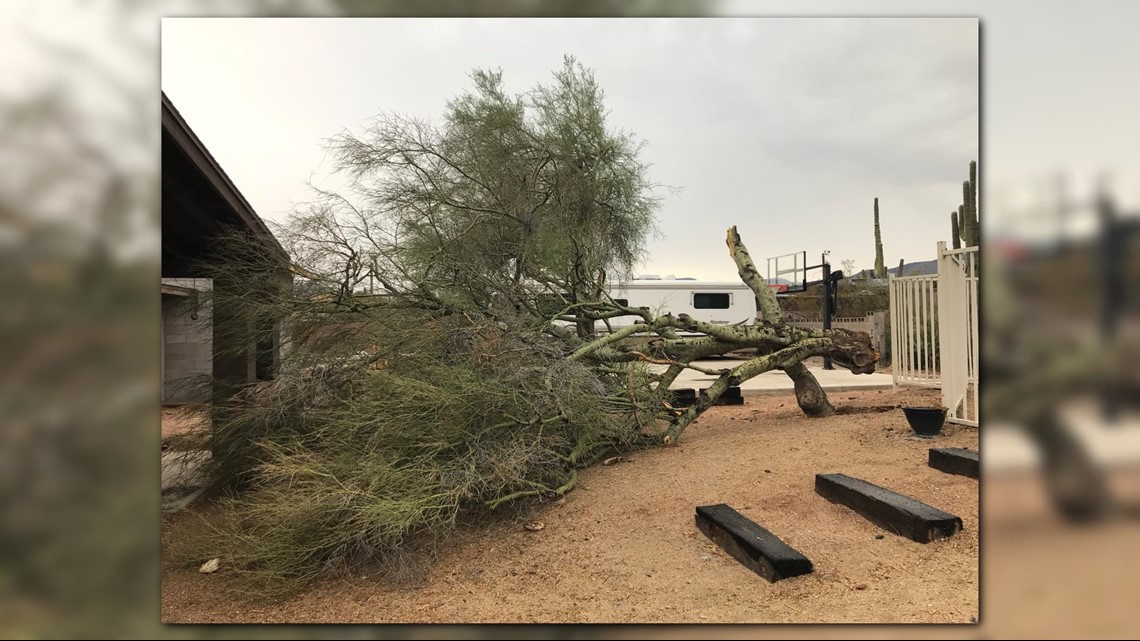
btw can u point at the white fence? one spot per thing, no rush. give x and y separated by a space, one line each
914 331
934 331
958 317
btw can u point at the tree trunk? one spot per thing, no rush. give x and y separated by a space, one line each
778 346
787 358
809 395
1076 486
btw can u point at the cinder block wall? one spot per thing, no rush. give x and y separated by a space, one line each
874 324
187 345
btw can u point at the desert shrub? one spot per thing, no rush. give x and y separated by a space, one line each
345 464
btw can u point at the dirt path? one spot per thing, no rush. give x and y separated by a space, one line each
183 419
623 546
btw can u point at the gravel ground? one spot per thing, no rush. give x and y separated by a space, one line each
623 548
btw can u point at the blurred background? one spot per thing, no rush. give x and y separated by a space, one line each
79 214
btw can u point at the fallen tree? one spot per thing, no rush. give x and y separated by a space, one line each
447 354
777 345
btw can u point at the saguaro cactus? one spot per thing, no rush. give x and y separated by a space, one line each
975 218
964 225
968 212
900 267
880 268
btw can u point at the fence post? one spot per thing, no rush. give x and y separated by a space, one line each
952 320
877 320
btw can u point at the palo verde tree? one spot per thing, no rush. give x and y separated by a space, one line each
452 347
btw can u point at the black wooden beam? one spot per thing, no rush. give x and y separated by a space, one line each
889 510
731 396
746 541
683 397
955 460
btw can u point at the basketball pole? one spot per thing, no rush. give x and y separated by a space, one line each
826 302
829 281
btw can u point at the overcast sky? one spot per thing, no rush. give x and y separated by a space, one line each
786 127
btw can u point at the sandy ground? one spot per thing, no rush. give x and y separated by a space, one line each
178 420
623 546
1043 578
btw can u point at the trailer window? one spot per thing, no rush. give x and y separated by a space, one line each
711 301
622 301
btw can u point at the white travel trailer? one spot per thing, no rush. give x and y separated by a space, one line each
723 303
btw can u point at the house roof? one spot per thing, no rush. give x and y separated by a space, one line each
176 130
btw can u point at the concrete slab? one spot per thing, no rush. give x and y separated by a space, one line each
777 382
184 469
183 478
1006 448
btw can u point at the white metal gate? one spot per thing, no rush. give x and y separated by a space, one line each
914 330
934 331
958 317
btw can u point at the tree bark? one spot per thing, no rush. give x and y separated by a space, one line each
777 345
786 358
767 307
809 394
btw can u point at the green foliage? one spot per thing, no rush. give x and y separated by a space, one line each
510 192
352 462
445 392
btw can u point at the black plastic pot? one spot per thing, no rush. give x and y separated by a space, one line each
925 421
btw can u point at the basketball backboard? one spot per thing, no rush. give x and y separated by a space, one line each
788 273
